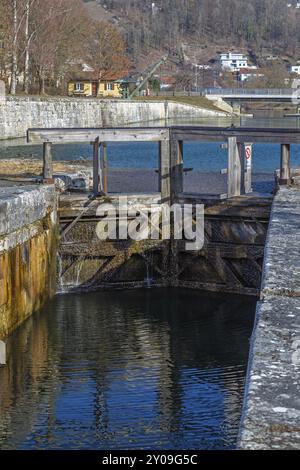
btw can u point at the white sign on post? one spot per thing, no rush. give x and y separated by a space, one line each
248 167
248 155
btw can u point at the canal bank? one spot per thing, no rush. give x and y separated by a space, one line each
271 417
17 114
28 246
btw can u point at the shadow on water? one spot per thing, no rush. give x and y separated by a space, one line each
150 369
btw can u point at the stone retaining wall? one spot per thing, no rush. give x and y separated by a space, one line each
271 417
28 245
17 114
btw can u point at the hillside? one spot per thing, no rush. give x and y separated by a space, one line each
195 31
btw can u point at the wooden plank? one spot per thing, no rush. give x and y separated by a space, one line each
79 216
97 172
176 168
243 135
159 166
47 161
234 168
152 134
285 169
243 165
105 168
261 139
104 135
165 173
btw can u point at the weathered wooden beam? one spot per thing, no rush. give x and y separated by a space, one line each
159 166
234 181
176 168
152 134
243 135
104 135
47 161
243 165
77 218
285 169
165 174
105 167
97 172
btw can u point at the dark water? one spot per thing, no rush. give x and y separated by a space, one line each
152 369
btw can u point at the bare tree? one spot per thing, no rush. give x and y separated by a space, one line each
106 49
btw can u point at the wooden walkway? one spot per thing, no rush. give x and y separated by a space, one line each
171 152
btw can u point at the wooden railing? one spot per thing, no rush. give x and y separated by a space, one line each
171 151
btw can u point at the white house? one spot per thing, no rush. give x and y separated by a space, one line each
295 5
248 74
295 69
233 62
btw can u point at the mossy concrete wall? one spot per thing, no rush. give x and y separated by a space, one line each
17 114
28 244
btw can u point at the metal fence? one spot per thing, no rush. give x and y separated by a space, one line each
229 91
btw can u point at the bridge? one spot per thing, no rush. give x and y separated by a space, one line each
238 94
245 94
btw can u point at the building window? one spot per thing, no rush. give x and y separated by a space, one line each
79 87
110 87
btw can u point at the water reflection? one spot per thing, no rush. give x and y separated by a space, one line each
156 369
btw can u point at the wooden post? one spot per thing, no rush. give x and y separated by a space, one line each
285 170
97 176
105 168
234 168
242 156
165 171
176 161
159 166
47 161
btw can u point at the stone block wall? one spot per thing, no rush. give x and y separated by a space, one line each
17 114
28 245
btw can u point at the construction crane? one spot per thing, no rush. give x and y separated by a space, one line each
148 76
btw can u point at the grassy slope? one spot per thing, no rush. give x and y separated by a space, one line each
199 101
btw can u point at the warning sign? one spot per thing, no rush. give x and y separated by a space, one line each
248 152
248 155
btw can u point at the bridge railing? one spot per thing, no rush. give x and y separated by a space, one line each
228 91
248 91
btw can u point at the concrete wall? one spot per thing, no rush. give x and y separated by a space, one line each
271 417
28 238
18 114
